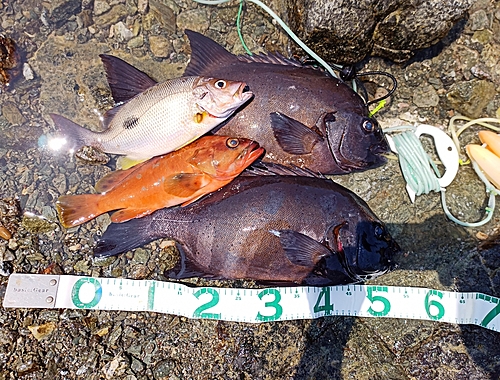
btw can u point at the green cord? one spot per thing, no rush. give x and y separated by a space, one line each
286 28
238 27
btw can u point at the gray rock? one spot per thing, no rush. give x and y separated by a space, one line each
114 15
346 32
101 7
479 20
136 42
121 32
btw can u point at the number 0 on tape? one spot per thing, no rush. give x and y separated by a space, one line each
251 305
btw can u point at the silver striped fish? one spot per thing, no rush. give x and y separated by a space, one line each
151 119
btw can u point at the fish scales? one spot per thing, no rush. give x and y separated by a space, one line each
277 229
148 111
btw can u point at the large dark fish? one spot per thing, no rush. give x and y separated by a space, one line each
300 115
283 229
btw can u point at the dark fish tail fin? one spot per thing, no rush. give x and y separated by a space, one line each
206 55
122 237
76 136
74 210
125 80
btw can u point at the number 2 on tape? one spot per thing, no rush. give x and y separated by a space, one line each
199 312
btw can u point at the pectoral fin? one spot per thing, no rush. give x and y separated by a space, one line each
293 136
301 249
184 185
186 268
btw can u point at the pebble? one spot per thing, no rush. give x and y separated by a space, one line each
142 6
112 16
479 20
12 113
196 19
470 98
101 7
425 96
28 72
41 332
160 46
121 32
136 42
164 14
60 183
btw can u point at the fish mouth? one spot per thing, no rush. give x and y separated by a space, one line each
242 93
381 147
253 151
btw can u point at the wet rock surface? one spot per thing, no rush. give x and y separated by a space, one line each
459 75
346 32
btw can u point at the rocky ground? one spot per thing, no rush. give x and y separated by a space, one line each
60 72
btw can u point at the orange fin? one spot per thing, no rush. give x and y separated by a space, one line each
74 210
184 185
126 214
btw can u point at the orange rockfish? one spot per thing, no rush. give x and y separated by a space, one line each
153 119
180 177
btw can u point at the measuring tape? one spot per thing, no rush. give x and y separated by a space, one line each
251 305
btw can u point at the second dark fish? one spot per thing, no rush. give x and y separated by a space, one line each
284 229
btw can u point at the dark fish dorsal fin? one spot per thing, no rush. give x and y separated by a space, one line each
269 168
206 54
125 80
272 58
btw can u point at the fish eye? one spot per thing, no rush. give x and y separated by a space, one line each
220 84
232 143
379 231
368 126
